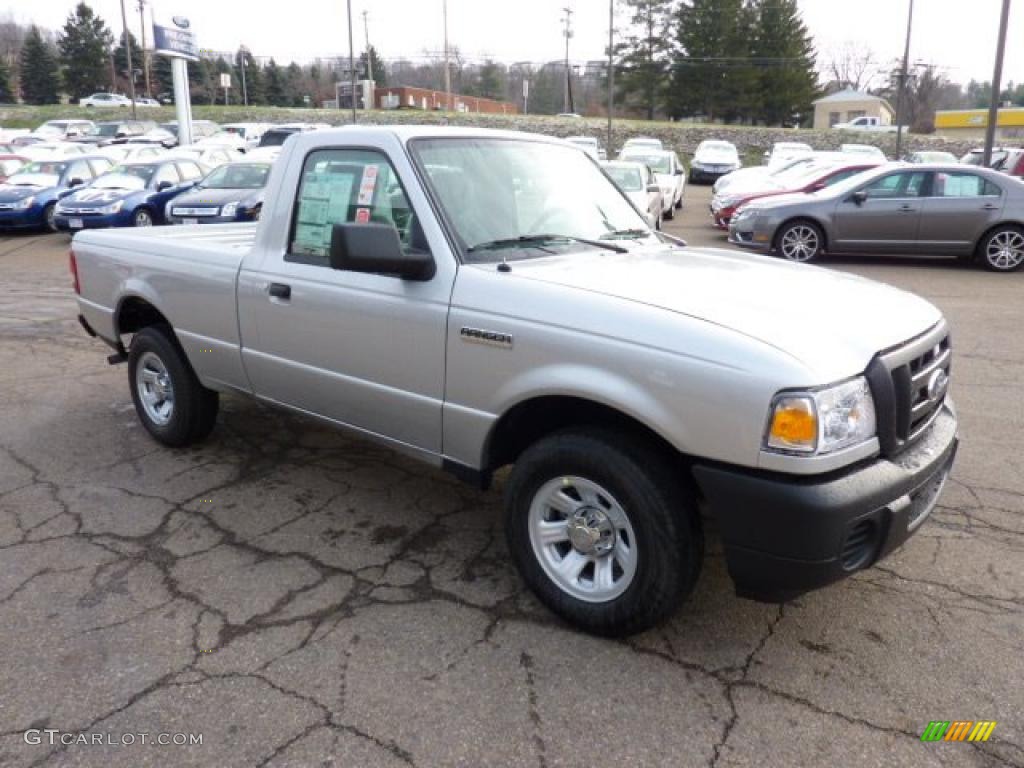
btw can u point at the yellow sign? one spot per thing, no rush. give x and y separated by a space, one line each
977 118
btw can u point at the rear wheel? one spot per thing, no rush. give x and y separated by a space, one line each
602 531
679 202
142 218
49 213
800 241
1002 250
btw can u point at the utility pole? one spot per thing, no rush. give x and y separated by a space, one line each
997 77
447 70
567 31
242 52
145 58
128 54
369 61
351 62
611 73
903 84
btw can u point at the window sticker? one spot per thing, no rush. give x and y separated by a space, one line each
362 215
324 201
367 185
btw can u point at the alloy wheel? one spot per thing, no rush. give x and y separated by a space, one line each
799 243
1005 250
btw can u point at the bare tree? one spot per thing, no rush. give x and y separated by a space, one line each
853 64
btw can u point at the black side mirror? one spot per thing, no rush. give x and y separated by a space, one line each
120 135
859 197
163 185
376 248
75 183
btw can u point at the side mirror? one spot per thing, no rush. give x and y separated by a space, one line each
653 188
120 135
163 185
679 171
375 248
75 183
859 197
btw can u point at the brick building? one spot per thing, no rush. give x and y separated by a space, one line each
404 97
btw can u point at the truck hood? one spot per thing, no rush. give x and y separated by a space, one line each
833 323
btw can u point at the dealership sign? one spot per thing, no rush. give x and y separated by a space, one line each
178 40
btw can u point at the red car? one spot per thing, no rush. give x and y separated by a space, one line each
10 164
816 177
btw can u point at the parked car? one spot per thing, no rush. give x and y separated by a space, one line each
105 100
232 192
158 135
263 154
208 157
225 140
29 197
60 130
810 178
144 101
126 153
865 123
754 176
115 132
53 150
714 159
130 195
1009 160
784 151
638 183
10 164
590 145
862 149
931 157
276 136
27 140
250 133
936 210
483 299
668 174
641 142
200 128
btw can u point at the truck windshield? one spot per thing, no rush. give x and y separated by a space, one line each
508 191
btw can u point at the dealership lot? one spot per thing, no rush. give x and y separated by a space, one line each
292 594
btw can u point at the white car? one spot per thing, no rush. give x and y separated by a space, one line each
640 142
753 177
264 154
784 151
713 159
146 102
862 149
58 130
637 182
250 133
208 156
668 175
588 144
54 150
223 139
105 100
126 153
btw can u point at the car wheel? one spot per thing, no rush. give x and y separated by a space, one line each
1002 250
800 241
602 530
142 218
679 203
171 403
658 221
49 215
670 213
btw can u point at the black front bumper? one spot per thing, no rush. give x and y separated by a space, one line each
785 535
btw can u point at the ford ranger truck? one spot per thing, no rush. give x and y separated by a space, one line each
479 299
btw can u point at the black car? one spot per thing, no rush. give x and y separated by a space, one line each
116 132
275 137
231 192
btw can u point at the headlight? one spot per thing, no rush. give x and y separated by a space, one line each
743 214
113 207
822 421
25 202
229 209
728 201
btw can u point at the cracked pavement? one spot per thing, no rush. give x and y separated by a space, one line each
301 597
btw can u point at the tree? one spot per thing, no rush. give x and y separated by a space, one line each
275 84
253 77
83 44
294 90
6 91
644 56
784 52
121 58
491 80
380 72
39 73
853 65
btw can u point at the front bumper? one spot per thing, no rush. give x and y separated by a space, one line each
709 174
205 219
92 221
20 219
746 233
786 535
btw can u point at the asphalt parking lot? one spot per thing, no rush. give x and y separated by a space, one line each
300 597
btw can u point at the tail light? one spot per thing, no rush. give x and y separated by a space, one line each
74 273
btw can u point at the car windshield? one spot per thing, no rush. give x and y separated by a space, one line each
127 177
497 191
716 146
52 129
657 163
45 174
275 138
245 176
105 129
628 179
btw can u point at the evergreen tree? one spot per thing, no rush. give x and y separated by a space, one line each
6 92
380 73
254 81
275 84
293 86
784 52
644 57
710 75
121 58
492 80
38 71
83 44
163 78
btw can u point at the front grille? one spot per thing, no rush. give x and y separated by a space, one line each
195 211
859 545
909 384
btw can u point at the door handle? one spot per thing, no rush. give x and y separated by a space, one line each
990 207
280 291
907 209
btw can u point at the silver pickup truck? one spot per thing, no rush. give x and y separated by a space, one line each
482 299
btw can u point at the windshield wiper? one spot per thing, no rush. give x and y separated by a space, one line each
537 240
630 234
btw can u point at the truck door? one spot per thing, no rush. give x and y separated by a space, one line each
363 350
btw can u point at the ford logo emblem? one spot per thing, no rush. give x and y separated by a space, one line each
181 21
938 384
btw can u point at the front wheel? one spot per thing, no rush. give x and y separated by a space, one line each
602 531
671 212
1002 250
800 241
142 218
49 216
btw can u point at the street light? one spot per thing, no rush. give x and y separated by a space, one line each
993 109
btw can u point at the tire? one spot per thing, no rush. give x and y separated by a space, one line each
157 367
142 218
679 203
671 212
1002 249
632 482
48 213
658 221
800 241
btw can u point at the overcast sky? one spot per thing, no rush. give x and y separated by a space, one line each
957 35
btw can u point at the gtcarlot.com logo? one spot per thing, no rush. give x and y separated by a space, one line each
958 730
53 737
